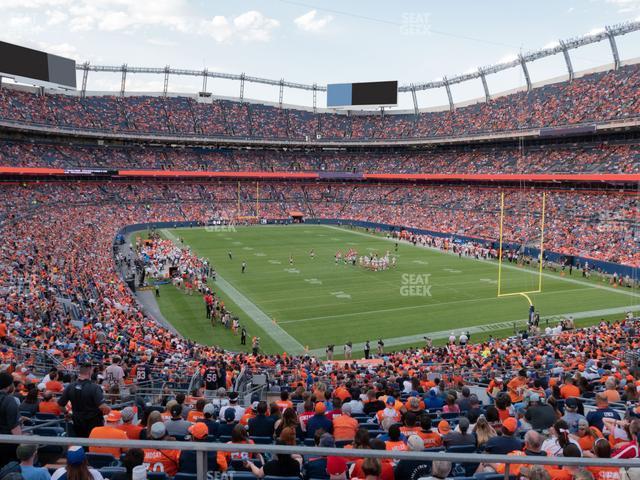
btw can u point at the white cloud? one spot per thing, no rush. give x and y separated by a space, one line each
18 28
161 42
62 49
312 22
55 17
626 6
219 28
253 25
249 26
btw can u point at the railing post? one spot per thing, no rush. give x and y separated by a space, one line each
506 471
201 465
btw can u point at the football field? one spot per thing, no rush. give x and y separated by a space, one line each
311 302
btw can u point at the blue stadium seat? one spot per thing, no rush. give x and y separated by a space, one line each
99 460
262 440
241 475
157 476
108 472
185 476
46 416
49 431
271 477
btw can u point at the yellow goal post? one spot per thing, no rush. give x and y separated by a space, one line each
540 257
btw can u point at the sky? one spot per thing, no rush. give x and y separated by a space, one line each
321 41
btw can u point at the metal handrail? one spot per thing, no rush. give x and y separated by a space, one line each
318 451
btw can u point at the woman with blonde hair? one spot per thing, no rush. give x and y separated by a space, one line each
483 431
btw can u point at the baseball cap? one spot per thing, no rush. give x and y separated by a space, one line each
511 424
229 414
336 465
444 427
415 443
320 407
583 422
534 397
254 406
571 402
114 416
233 396
25 452
199 430
391 400
209 409
463 423
127 414
346 408
76 456
158 430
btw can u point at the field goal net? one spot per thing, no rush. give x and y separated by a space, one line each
521 242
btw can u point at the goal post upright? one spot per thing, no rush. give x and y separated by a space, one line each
500 247
540 258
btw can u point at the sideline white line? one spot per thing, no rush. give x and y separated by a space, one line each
393 342
281 337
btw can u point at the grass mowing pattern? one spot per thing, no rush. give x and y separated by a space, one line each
319 302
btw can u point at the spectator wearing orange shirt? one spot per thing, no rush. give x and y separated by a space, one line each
161 460
610 390
197 413
284 401
430 438
517 385
602 449
127 426
569 389
49 405
53 385
345 426
109 431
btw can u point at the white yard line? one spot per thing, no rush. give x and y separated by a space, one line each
286 341
412 307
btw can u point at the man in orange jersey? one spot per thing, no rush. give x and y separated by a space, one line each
127 425
109 431
49 405
430 438
161 460
516 386
569 389
344 426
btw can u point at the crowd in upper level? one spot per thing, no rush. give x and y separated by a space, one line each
597 97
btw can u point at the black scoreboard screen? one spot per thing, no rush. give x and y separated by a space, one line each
17 61
362 94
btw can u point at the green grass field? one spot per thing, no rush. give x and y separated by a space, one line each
316 302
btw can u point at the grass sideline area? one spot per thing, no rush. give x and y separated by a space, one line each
318 302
